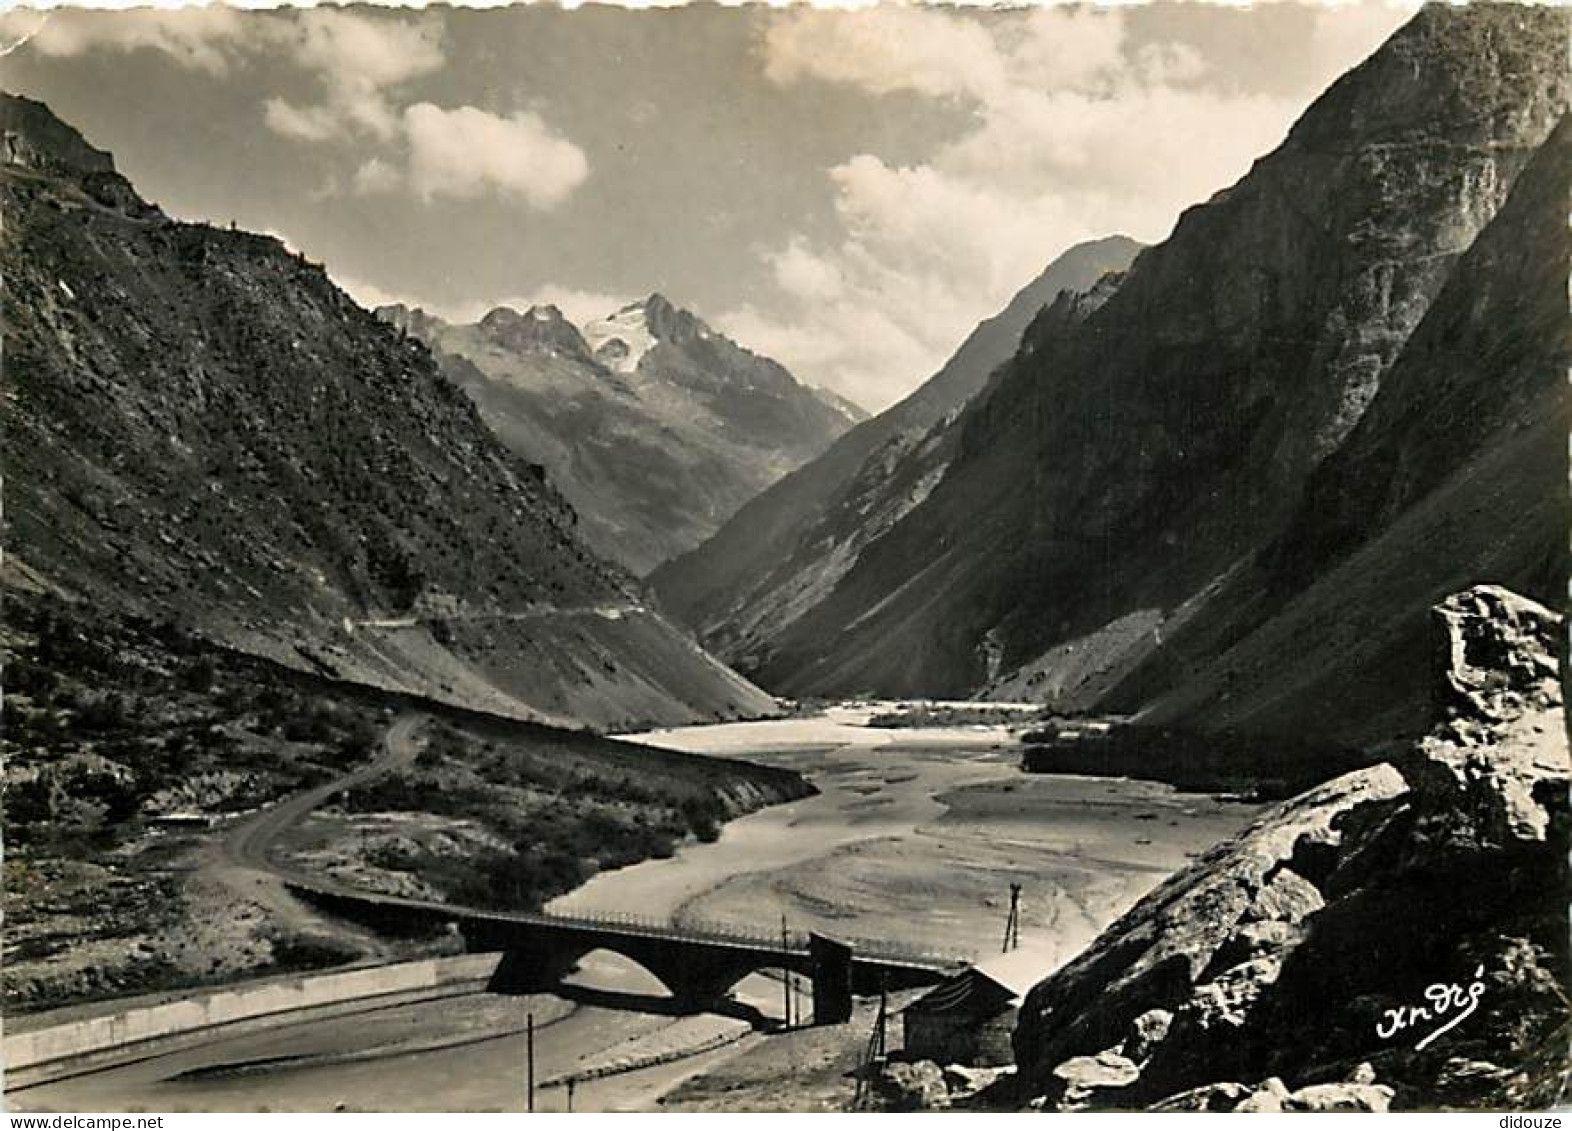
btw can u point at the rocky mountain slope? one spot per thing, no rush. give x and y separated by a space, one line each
1455 473
1277 972
785 550
654 427
201 427
113 722
1121 470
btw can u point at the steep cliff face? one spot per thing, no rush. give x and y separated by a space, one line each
1275 972
654 427
785 551
1454 474
1114 476
201 427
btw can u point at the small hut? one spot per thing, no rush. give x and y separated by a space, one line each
970 1017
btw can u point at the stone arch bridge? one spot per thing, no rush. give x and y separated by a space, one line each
698 964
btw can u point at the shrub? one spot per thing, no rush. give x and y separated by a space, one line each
198 676
309 727
32 680
33 801
102 712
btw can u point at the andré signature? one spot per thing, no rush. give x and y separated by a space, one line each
1445 998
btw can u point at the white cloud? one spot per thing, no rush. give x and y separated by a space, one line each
360 63
203 40
882 50
1076 133
376 175
468 152
303 123
804 274
849 346
357 60
1065 48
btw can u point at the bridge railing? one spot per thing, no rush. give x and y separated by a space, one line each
708 930
689 930
696 930
897 951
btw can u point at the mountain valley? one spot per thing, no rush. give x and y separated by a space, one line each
654 427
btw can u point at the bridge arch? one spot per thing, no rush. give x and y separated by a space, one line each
606 969
538 961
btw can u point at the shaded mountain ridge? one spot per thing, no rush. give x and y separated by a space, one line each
785 550
1121 474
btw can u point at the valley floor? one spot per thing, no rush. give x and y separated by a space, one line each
915 836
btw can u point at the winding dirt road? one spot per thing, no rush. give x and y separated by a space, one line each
249 843
242 864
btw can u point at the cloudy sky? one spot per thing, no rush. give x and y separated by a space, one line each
849 192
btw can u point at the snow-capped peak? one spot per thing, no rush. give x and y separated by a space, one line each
629 330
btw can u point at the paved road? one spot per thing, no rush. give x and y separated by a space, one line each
611 610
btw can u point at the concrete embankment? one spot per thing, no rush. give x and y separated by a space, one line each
53 1052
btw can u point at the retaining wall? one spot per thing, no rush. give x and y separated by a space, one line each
209 1009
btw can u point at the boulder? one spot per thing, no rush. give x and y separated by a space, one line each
1494 653
1175 949
1085 1082
1339 1097
913 1086
1224 1095
1269 1097
963 1080
1146 1032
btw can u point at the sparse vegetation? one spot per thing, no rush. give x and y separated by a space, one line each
951 715
1190 760
561 824
111 723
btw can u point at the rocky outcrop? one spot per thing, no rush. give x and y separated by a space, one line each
654 427
1120 471
33 138
1297 950
201 428
1359 1093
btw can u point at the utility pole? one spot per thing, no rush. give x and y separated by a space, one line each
786 974
875 1054
1012 925
529 1059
